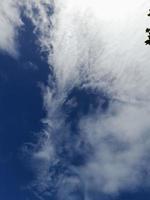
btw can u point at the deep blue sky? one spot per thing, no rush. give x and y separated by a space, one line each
21 111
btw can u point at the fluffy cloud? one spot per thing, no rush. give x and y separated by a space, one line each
9 23
120 139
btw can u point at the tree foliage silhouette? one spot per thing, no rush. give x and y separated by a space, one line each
147 42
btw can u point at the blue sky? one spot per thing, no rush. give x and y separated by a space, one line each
74 102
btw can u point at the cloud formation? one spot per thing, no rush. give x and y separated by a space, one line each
120 139
79 36
98 45
83 40
10 21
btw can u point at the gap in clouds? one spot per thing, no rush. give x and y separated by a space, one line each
21 107
78 103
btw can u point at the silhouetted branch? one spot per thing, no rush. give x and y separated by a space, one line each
147 42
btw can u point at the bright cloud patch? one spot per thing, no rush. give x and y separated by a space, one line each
9 22
84 39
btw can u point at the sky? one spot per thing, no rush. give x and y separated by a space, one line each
74 100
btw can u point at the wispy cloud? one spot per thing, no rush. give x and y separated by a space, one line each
98 45
79 39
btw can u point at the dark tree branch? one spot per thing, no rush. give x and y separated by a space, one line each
147 42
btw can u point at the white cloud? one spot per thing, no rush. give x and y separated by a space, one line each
120 139
97 44
105 53
81 35
9 23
